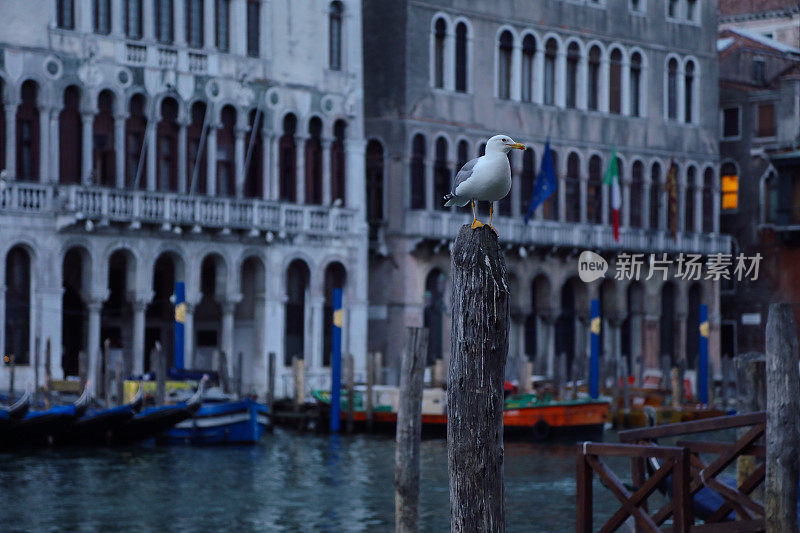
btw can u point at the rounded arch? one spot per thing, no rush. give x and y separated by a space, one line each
541 292
444 17
179 105
506 28
617 47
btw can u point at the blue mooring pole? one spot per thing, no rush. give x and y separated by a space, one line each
180 318
336 361
594 361
702 364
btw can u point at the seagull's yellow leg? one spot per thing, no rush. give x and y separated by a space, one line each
475 222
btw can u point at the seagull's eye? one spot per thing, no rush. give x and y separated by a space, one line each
505 140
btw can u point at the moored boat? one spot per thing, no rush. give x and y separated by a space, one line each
225 422
97 426
525 416
37 427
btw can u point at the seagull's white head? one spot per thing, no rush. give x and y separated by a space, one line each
502 144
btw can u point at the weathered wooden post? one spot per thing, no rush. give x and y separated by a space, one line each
10 359
83 365
526 377
783 405
626 395
271 387
222 370
438 373
119 378
239 375
47 374
368 417
751 396
561 372
676 393
638 370
299 387
409 432
107 372
479 346
161 373
350 377
36 371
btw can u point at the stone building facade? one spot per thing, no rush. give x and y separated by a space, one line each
217 143
590 76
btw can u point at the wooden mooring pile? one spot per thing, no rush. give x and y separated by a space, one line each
701 495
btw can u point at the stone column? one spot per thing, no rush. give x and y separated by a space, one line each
646 200
179 21
228 307
651 355
582 96
663 203
605 191
300 174
117 18
268 175
44 144
94 304
274 169
151 154
681 205
626 201
603 99
211 160
209 26
87 142
257 379
582 346
681 92
55 160
538 78
238 151
181 152
238 20
148 21
583 188
429 170
636 337
547 322
680 341
326 171
315 346
560 78
626 87
715 204
139 305
119 149
11 138
355 177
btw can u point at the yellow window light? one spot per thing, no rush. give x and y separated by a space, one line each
730 191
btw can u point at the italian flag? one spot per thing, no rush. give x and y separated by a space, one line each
612 178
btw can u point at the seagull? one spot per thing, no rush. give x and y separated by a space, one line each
486 178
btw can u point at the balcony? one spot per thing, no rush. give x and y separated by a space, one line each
549 234
74 203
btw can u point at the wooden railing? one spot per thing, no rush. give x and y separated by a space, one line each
690 474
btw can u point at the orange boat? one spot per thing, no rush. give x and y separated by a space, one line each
524 415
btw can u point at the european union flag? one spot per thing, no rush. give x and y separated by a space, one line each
545 183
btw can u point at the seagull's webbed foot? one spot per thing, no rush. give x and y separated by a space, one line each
477 224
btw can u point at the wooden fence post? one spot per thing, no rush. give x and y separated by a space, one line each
271 387
368 400
350 381
409 432
783 404
47 374
299 386
479 347
107 372
526 377
161 373
751 396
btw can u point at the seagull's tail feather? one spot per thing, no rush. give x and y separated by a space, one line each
451 200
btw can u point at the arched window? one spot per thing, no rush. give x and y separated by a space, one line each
689 202
417 193
506 46
461 57
133 19
615 82
708 200
672 89
18 302
297 278
337 162
253 183
335 29
194 132
655 195
594 195
688 91
222 17
28 132
103 156
374 165
572 189
441 174
573 59
637 190
636 84
729 185
439 37
551 204
550 52
528 53
313 162
194 23
593 83
164 25
463 154
287 156
166 146
527 179
70 137
65 14
253 27
102 16
335 278
135 128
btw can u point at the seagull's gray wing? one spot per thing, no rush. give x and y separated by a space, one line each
464 174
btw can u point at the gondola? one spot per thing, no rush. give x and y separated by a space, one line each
15 411
154 421
37 427
97 426
223 422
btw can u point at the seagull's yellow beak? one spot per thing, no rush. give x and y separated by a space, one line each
518 146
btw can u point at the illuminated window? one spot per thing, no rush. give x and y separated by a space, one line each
730 189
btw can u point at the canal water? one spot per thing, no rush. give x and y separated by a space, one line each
288 482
